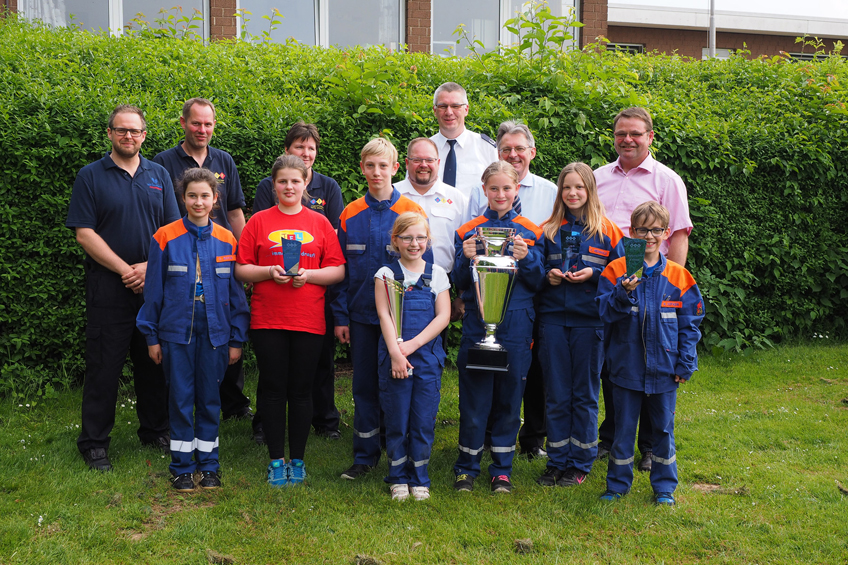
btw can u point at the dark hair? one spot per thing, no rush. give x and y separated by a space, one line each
127 109
635 112
196 174
302 130
202 101
289 162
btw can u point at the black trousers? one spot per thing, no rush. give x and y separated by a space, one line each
110 333
233 400
606 431
325 415
534 429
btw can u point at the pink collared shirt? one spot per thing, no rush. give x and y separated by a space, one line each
620 193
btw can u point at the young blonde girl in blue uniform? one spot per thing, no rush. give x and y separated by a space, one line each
410 372
579 242
195 320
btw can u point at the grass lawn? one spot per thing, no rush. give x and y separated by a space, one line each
761 445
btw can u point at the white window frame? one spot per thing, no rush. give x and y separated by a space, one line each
626 48
117 22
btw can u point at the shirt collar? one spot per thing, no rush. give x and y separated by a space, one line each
646 165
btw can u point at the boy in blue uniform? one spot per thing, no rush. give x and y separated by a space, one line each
365 237
652 333
482 392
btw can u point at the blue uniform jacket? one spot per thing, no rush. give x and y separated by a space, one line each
573 304
169 287
365 229
651 333
531 271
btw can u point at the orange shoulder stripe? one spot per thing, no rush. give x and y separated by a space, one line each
612 231
405 204
223 234
527 224
351 210
617 268
679 277
468 226
170 232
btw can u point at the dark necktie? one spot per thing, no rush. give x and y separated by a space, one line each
450 165
516 205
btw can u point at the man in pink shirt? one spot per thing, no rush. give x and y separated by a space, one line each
633 178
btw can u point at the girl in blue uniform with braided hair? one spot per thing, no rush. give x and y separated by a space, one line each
579 242
410 371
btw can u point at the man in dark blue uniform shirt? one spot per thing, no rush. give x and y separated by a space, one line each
117 204
323 195
198 122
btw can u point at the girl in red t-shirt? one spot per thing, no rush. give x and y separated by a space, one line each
287 312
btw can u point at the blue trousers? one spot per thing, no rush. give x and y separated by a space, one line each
571 361
364 339
482 392
661 407
194 373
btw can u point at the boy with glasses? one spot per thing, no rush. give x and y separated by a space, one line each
651 328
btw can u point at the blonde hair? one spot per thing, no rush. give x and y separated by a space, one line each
380 147
593 211
500 168
649 210
406 221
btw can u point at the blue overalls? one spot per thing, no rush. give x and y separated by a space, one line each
410 405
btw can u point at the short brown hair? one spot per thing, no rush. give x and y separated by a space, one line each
635 112
203 102
197 174
288 162
302 130
418 140
647 211
127 109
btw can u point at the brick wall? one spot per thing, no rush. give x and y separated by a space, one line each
11 5
593 16
222 21
689 43
418 25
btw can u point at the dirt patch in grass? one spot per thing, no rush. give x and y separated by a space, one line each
719 489
161 510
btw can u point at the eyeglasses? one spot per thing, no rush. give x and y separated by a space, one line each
454 107
417 161
635 135
121 132
507 150
407 239
643 232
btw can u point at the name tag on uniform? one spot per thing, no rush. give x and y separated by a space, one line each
225 258
672 304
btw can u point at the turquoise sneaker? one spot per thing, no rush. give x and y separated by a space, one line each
297 472
278 473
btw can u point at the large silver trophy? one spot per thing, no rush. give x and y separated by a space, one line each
493 276
394 292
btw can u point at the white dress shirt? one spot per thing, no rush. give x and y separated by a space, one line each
537 199
446 209
473 155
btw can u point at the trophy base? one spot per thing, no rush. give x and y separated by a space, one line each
487 359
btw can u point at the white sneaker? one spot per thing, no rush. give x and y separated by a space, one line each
399 492
420 493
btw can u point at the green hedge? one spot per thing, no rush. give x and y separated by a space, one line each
760 144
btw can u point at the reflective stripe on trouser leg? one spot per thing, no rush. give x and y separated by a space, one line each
661 408
628 404
366 416
395 396
555 358
585 389
422 420
475 402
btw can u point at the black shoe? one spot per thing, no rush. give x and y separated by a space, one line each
356 470
645 462
183 482
572 477
162 443
463 483
244 414
501 484
209 480
603 451
97 459
550 477
328 433
259 434
535 453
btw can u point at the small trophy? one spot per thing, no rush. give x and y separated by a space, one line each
394 292
291 256
634 253
493 275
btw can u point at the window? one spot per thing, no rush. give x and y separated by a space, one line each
331 22
628 48
483 21
111 15
720 54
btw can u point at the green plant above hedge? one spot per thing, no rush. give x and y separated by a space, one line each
760 144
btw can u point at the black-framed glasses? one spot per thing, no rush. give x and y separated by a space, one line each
121 132
635 135
643 232
454 107
407 239
418 161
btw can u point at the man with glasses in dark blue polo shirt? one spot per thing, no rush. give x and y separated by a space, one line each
117 204
198 123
